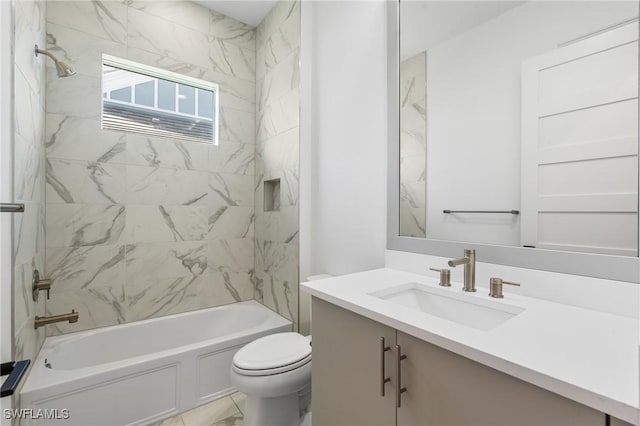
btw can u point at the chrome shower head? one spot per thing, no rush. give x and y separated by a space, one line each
62 69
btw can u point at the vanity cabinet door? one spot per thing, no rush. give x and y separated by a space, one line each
446 389
346 369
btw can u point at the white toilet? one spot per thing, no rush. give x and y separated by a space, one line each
275 373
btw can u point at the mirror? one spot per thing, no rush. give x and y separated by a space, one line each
519 125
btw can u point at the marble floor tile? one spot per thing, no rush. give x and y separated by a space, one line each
227 411
211 413
239 398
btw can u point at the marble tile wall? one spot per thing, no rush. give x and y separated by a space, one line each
277 157
29 178
136 226
413 126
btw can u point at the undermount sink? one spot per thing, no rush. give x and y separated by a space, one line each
449 305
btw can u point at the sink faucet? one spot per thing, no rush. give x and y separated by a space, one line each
469 262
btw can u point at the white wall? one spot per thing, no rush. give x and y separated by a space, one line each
474 79
344 219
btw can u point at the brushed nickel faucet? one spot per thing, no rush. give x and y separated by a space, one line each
469 262
71 317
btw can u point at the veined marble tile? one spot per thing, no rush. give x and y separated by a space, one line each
29 110
274 19
30 30
82 50
229 189
279 81
77 138
184 13
77 268
279 260
231 255
412 221
171 421
412 169
413 193
231 157
222 288
152 151
164 296
280 226
279 116
105 19
166 38
28 232
70 181
165 62
289 185
208 414
149 261
230 59
162 186
25 309
96 307
237 126
412 142
28 340
235 93
78 225
284 40
230 222
29 173
78 96
282 297
150 224
282 151
225 28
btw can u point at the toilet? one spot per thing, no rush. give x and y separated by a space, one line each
275 373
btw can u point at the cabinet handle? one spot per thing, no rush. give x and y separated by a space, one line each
399 389
383 379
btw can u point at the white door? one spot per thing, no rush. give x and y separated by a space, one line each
6 194
580 145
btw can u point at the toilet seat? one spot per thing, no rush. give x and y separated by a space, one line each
274 354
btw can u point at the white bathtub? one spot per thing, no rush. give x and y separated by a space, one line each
137 373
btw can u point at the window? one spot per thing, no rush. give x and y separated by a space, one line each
141 99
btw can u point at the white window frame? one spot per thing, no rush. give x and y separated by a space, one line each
174 77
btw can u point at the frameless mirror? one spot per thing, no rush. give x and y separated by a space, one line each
519 124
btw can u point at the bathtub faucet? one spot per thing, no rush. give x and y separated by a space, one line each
71 317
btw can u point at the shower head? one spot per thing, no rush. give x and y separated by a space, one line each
62 69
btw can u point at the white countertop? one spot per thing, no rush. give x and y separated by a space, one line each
588 356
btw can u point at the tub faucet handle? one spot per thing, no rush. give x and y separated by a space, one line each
445 276
39 285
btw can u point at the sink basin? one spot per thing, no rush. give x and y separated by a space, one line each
449 305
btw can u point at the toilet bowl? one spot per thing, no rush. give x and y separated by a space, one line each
275 374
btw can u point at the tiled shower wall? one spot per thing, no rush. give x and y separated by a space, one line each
29 159
139 227
277 158
413 127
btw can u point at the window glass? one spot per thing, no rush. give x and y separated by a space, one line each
187 99
141 99
166 95
145 93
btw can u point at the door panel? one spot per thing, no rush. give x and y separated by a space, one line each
580 145
446 389
346 369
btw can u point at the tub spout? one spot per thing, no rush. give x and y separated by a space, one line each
71 317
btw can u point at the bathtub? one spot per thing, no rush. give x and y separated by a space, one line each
138 373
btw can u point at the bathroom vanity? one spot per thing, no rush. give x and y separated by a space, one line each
392 347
